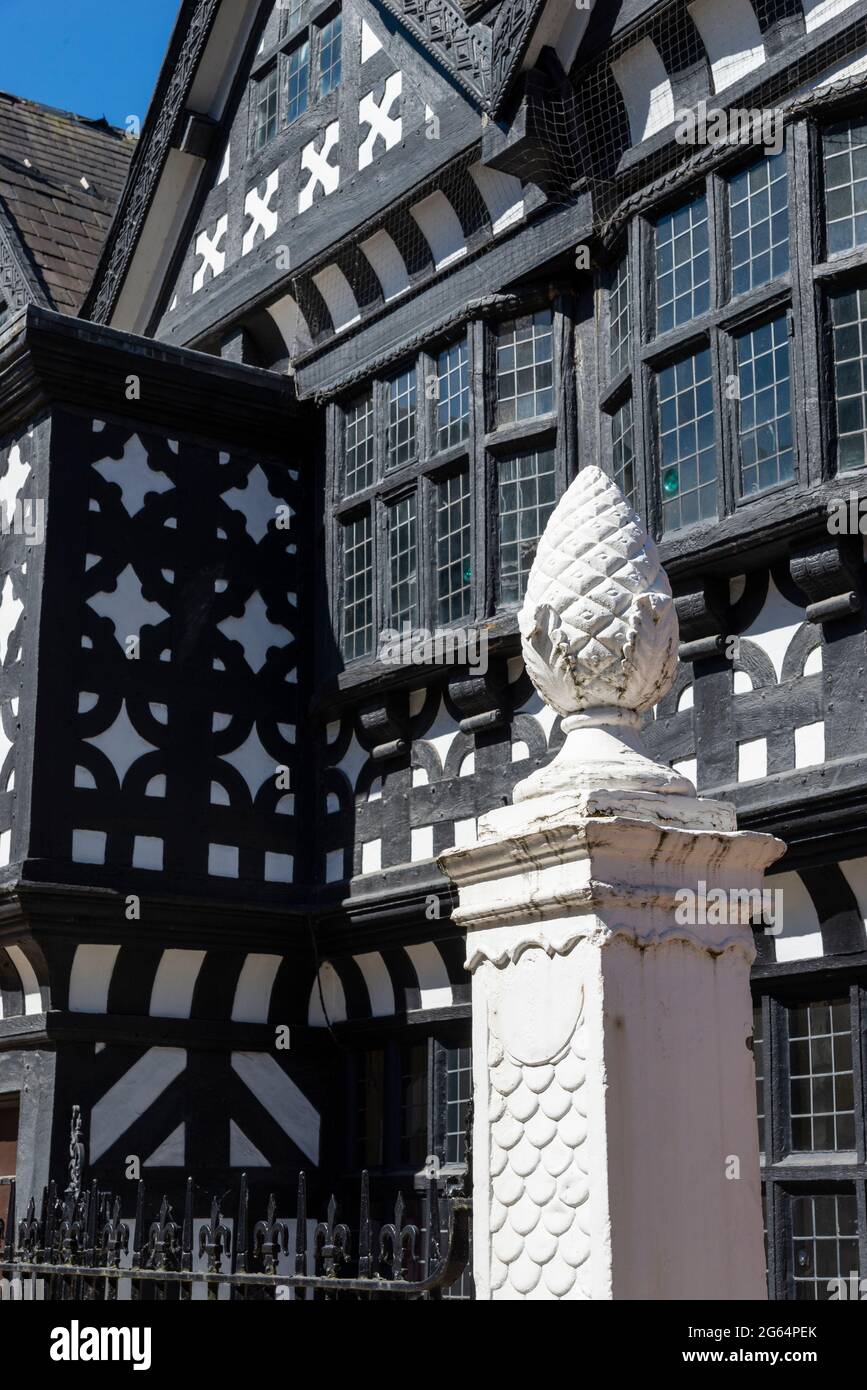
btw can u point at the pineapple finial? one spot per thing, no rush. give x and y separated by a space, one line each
599 635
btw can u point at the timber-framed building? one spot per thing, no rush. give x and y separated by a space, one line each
383 275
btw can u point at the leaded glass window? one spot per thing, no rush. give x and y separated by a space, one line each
759 224
765 407
453 548
525 367
682 265
527 495
845 152
687 443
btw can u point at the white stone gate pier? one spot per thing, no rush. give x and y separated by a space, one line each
615 1140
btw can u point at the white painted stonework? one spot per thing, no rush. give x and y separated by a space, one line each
613 1083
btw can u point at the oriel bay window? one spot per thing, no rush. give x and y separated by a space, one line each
444 472
733 333
699 400
809 1051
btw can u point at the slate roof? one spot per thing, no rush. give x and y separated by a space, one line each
61 223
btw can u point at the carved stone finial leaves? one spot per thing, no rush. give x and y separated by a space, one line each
598 622
599 635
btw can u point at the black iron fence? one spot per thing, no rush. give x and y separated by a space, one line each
76 1246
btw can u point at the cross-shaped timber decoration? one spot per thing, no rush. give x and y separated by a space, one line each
321 172
262 215
213 258
378 116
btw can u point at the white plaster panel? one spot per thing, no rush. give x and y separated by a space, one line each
336 290
255 632
775 626
242 1151
281 1098
256 503
421 843
388 264
291 324
122 744
90 978
172 1152
801 937
646 90
855 873
433 977
371 857
133 1094
332 994
29 983
810 744
379 986
752 759
279 868
819 12
441 229
174 983
252 1002
88 846
502 194
133 475
732 37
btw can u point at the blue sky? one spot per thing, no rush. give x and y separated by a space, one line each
94 57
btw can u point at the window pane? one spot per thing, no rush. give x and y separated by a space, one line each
620 315
266 110
359 444
759 223
765 411
459 1092
824 1243
687 442
453 395
401 419
403 561
820 1078
371 1102
454 569
849 319
759 1059
845 150
622 443
525 368
526 498
293 11
299 81
357 587
330 45
682 265
413 1105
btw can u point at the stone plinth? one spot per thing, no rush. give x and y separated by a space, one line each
613 1080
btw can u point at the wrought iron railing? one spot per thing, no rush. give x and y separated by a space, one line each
77 1246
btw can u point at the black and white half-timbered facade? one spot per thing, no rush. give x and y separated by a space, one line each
384 275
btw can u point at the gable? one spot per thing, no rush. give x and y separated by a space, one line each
395 128
456 61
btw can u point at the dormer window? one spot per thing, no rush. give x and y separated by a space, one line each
306 70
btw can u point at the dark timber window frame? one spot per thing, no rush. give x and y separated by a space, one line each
786 1173
392 1041
478 454
815 274
717 329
